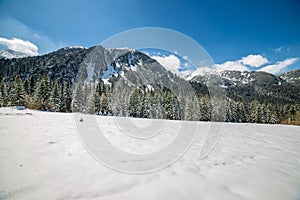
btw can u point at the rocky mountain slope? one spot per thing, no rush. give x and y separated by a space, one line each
292 77
258 85
88 64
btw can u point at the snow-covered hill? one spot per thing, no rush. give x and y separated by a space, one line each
42 158
292 77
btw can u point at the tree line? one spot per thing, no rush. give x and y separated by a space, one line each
61 95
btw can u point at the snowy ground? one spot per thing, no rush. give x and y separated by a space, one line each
42 157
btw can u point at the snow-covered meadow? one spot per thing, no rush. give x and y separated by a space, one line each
42 157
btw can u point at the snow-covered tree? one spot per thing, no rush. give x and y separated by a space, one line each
204 108
135 103
103 103
3 94
67 96
192 109
78 101
56 97
17 92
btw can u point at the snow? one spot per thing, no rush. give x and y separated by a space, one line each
42 157
108 73
201 71
74 47
149 88
90 71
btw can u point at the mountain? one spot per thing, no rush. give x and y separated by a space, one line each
88 64
256 85
292 77
7 53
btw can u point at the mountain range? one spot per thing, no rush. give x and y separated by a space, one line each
125 68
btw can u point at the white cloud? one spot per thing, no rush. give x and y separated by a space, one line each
171 62
10 27
257 61
279 66
243 64
231 65
254 60
19 45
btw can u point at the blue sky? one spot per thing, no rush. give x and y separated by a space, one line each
228 30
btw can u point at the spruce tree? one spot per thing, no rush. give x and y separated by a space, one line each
17 93
160 105
90 101
97 103
256 112
78 101
204 109
192 110
134 103
32 84
26 86
67 96
271 114
3 94
42 92
103 103
169 106
56 98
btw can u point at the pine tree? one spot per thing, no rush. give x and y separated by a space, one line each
192 110
97 103
17 93
55 97
3 94
204 108
271 114
158 105
181 101
147 104
78 102
108 92
26 86
42 93
255 112
103 103
291 114
32 84
135 103
247 112
90 105
169 105
67 96
98 92
263 113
